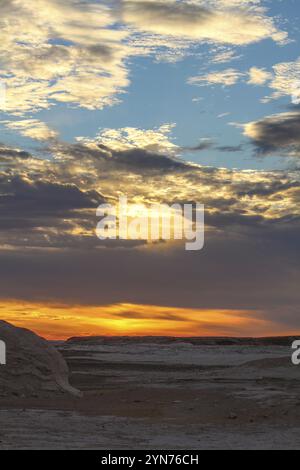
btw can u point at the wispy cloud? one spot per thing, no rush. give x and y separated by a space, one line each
259 76
229 77
286 80
226 77
32 128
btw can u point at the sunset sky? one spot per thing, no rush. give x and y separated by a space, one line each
171 101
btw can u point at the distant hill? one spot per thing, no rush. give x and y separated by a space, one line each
196 341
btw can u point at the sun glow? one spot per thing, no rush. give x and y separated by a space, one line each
55 321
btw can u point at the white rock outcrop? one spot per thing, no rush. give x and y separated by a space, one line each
33 367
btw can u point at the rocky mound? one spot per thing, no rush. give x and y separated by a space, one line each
33 367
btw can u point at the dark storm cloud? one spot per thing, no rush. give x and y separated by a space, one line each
270 188
141 159
231 219
9 153
278 133
135 159
44 195
26 203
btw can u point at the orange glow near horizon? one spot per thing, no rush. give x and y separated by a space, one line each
56 321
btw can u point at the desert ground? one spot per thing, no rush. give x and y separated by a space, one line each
160 393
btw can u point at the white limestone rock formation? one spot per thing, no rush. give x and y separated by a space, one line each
33 366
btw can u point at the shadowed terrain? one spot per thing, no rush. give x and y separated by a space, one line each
160 393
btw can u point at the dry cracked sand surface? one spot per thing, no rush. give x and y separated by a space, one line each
164 394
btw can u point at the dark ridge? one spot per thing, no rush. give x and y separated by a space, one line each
196 341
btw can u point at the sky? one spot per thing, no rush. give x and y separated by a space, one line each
169 101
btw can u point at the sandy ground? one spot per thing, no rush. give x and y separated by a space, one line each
170 396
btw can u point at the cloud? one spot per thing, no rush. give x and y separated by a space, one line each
204 144
49 249
201 22
153 140
223 55
56 199
258 76
223 115
61 320
226 77
133 141
286 81
218 278
41 209
78 53
230 148
277 133
139 159
66 52
8 154
230 77
32 128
